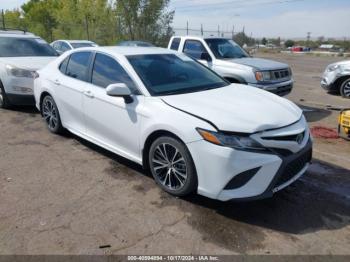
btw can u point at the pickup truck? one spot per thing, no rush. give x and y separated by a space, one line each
229 60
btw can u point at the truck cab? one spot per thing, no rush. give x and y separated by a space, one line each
229 60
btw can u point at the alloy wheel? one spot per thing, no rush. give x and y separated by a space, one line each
346 89
169 166
50 113
1 98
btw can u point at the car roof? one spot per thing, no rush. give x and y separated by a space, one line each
129 50
17 34
75 41
199 37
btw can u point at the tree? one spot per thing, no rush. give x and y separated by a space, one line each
102 21
241 39
145 20
14 20
39 17
264 41
289 43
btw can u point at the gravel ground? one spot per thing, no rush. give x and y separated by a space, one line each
63 195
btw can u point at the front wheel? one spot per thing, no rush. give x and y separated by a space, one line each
51 115
345 88
172 166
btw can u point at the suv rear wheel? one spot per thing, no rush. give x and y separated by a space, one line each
345 88
4 102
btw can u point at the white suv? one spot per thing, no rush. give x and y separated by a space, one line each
21 54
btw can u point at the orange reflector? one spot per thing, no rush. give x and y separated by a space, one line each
259 76
209 136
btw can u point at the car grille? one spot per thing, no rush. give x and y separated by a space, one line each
280 74
294 138
294 167
282 90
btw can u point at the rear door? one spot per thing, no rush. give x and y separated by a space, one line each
70 85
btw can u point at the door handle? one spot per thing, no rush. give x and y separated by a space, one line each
57 82
89 94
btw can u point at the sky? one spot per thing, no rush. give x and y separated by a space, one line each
261 18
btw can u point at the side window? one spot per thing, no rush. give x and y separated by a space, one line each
194 49
63 65
78 65
175 44
64 47
108 71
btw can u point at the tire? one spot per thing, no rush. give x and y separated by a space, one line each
4 102
172 166
51 115
345 88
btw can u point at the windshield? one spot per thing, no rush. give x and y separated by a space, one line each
78 45
19 47
166 74
225 49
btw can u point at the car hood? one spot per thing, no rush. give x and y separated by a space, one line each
258 63
238 108
29 63
345 63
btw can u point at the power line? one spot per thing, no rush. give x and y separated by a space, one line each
245 4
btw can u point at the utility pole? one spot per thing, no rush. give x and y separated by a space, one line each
218 30
87 27
202 29
3 19
187 28
308 38
233 32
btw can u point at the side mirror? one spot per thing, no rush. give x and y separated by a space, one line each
120 90
205 56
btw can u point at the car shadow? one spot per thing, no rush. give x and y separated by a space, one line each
24 109
317 201
314 114
313 203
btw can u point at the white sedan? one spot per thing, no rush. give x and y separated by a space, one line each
191 128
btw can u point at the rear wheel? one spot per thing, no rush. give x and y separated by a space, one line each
345 88
4 102
51 115
172 166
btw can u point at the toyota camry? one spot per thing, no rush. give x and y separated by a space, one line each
191 128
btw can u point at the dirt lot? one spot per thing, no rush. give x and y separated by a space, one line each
62 195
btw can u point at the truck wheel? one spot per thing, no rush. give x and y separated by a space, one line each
345 88
4 102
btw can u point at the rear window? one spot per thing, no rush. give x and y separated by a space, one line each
20 47
78 65
175 44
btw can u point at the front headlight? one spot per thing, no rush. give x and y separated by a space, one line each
19 72
263 76
332 68
234 141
